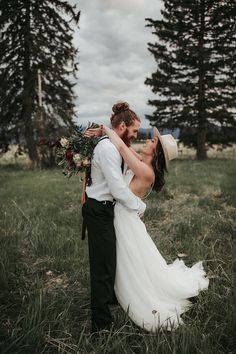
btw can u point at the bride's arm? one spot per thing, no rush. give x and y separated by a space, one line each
135 153
139 168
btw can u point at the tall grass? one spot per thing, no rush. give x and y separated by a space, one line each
44 270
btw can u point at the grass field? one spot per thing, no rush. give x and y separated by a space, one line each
44 274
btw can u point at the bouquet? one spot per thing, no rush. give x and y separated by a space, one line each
74 154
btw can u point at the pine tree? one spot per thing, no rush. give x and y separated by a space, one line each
195 80
36 35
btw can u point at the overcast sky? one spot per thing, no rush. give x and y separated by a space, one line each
113 56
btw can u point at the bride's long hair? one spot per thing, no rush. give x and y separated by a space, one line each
159 168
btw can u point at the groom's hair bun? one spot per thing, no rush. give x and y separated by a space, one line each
122 113
120 107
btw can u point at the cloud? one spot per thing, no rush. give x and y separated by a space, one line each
113 56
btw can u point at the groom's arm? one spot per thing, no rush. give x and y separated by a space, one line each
110 164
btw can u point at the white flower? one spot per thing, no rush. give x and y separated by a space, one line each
86 162
64 142
76 158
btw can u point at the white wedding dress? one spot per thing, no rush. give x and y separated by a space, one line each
153 293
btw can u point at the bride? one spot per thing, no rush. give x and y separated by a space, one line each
153 293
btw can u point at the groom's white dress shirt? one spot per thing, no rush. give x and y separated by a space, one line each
107 178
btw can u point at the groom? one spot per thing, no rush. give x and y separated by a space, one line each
98 213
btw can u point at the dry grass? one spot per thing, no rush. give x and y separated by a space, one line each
215 152
44 274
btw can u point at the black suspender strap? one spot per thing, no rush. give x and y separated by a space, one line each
122 164
102 138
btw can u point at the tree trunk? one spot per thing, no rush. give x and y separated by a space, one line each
201 135
201 144
30 142
27 104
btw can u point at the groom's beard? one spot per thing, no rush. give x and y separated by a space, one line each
126 139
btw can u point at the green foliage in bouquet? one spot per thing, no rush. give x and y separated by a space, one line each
74 154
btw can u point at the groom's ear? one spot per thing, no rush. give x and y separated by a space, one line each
122 126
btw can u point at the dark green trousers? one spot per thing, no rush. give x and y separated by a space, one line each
99 218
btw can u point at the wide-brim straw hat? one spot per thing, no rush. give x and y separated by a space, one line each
169 146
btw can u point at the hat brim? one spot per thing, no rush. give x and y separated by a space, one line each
156 133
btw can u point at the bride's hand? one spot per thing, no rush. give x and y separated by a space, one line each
92 132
